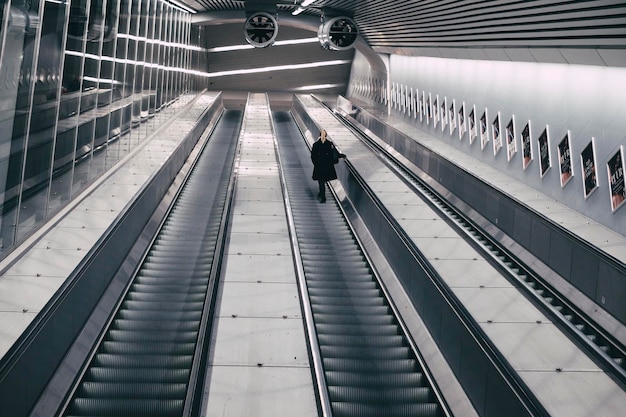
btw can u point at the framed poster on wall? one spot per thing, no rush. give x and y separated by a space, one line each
511 142
429 108
473 125
462 121
436 111
589 169
615 169
484 133
453 116
527 149
422 105
565 160
543 143
416 103
444 113
496 134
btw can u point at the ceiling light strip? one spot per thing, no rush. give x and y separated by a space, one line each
277 68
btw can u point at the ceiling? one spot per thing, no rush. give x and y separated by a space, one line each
592 32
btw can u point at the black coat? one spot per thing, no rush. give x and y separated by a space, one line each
323 164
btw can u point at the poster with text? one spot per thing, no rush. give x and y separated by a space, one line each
473 125
462 121
589 169
543 143
565 160
527 149
496 134
615 169
484 133
511 143
453 116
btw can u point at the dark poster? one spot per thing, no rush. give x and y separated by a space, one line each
543 143
496 130
444 113
484 133
589 170
565 160
527 149
453 116
615 169
462 123
511 144
472 125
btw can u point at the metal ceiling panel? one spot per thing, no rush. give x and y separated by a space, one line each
448 28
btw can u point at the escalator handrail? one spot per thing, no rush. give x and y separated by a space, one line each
313 345
193 399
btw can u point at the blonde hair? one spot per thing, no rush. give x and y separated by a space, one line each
323 134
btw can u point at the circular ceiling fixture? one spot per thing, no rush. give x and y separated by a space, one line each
338 33
261 29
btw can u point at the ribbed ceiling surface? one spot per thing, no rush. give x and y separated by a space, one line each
419 27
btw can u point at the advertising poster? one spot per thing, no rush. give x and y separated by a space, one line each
527 149
496 134
615 169
416 103
462 122
473 126
511 143
484 133
543 143
444 113
453 116
589 169
436 111
429 108
565 160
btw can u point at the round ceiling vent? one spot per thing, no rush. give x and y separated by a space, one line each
261 29
338 33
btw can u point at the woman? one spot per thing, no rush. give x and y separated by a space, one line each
323 163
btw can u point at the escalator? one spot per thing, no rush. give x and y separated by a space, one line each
369 366
143 364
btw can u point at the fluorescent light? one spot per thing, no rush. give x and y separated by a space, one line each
277 68
297 11
277 43
182 6
307 3
316 87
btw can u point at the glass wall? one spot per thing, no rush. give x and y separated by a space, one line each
81 84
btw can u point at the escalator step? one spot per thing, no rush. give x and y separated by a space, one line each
367 352
375 379
341 409
366 365
106 360
127 407
142 375
120 390
372 395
